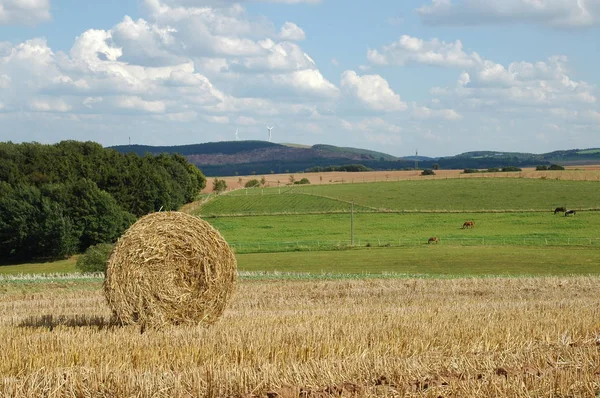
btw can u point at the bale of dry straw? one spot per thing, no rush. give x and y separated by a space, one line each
170 268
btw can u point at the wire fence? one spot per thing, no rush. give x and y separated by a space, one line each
324 245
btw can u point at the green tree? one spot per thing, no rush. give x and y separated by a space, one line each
33 226
95 258
219 185
97 217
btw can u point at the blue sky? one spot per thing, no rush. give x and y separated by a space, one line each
440 76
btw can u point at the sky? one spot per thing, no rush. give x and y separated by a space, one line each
440 77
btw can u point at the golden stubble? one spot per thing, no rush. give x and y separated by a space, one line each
382 337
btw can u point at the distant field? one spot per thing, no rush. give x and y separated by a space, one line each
256 202
497 194
587 172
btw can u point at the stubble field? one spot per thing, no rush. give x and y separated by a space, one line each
517 337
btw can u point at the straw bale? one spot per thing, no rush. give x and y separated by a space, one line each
170 268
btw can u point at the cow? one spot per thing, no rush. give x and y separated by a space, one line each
469 224
433 240
560 210
570 212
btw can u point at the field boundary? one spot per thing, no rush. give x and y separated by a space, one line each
357 210
326 245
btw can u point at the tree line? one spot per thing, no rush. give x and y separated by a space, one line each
57 200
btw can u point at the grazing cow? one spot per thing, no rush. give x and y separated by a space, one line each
433 240
469 224
560 210
570 212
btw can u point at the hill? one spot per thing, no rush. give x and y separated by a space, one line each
260 157
228 158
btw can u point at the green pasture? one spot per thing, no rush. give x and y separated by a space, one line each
271 203
432 260
60 266
328 231
450 195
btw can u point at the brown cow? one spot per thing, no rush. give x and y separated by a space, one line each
433 240
469 224
560 210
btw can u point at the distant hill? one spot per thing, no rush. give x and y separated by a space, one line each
486 159
227 158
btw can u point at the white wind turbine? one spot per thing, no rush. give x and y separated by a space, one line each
270 134
236 135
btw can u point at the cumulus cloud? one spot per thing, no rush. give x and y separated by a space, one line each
423 112
372 91
434 52
27 12
485 82
291 31
565 13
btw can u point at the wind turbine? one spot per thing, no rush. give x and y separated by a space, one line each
236 135
270 128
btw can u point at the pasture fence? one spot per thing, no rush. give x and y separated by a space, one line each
325 245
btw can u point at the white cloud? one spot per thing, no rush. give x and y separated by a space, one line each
216 119
423 112
485 82
137 103
377 125
372 91
571 13
308 81
49 105
291 31
28 12
434 52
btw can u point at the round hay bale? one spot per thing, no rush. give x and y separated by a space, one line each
170 268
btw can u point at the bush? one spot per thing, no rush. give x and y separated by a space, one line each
555 167
252 184
428 172
493 170
511 168
469 171
541 167
302 181
95 257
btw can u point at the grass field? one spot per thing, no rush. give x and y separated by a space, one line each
466 194
490 337
60 266
292 232
424 260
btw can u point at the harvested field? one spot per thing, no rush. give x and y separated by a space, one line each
394 337
577 173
